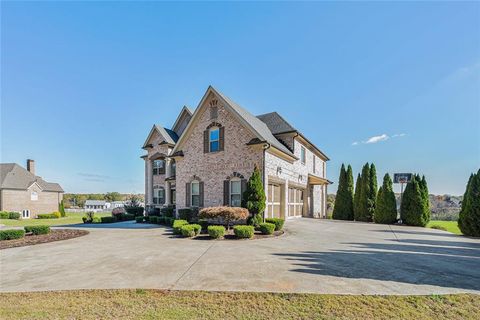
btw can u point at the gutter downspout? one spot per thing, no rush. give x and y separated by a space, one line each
265 147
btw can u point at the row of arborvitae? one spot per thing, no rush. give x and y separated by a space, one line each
469 218
371 205
12 234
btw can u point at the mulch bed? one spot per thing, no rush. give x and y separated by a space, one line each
229 235
54 235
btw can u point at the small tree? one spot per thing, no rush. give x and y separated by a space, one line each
386 206
414 210
356 197
372 195
227 214
61 209
469 218
254 198
343 209
364 212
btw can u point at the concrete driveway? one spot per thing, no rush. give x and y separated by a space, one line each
313 256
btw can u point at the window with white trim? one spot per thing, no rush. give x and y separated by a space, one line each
214 139
26 214
158 195
34 196
302 155
314 164
235 193
158 167
195 193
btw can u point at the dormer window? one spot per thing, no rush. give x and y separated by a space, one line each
214 139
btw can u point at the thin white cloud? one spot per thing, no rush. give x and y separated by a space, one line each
379 138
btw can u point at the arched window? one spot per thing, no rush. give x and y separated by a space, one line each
214 140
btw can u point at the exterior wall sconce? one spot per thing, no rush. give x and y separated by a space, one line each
279 171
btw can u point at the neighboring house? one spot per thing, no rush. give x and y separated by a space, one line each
207 156
117 204
96 205
22 191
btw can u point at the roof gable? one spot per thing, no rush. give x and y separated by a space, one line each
185 115
165 134
13 176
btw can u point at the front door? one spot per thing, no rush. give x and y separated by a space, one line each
274 201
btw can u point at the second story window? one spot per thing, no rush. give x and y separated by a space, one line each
158 167
214 139
195 193
314 165
303 155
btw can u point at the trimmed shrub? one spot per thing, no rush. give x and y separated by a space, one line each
42 229
47 216
161 220
153 219
14 215
85 220
190 230
57 214
11 234
177 226
118 212
227 214
216 232
97 220
108 219
204 223
139 219
89 216
255 220
129 217
267 228
243 231
4 215
136 211
185 214
469 217
169 221
277 222
61 209
168 211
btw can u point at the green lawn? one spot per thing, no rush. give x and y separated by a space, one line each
450 226
157 304
71 218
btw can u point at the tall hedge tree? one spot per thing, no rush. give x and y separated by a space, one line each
254 198
343 209
386 206
363 211
469 218
414 209
356 197
372 196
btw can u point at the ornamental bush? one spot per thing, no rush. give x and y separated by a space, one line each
61 209
97 220
168 211
14 215
108 219
36 230
414 210
153 219
255 220
118 212
47 216
277 222
130 217
267 228
190 230
136 211
4 215
226 214
343 208
139 219
216 232
177 226
469 217
169 221
11 234
243 231
386 209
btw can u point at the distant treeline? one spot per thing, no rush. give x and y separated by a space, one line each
78 199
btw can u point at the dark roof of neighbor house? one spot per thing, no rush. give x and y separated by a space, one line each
276 123
95 202
13 176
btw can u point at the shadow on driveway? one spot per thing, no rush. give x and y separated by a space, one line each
115 225
423 262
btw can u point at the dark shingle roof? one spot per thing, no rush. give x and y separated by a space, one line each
276 123
169 135
13 176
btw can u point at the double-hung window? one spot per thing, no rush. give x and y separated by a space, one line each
158 167
235 193
158 195
195 193
214 140
302 155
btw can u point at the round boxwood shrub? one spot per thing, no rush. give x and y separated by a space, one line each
139 219
216 232
277 222
177 226
244 232
266 228
11 234
190 230
42 229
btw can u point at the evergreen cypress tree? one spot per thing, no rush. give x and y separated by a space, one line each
386 206
61 209
350 192
469 219
363 214
254 198
356 197
414 210
372 197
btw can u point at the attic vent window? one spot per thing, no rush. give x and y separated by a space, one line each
213 112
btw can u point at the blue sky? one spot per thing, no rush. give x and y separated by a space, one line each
82 83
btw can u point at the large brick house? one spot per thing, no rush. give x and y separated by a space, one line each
207 156
24 192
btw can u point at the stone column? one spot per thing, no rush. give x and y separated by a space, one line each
168 201
149 181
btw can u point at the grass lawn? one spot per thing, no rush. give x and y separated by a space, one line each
157 304
450 226
71 218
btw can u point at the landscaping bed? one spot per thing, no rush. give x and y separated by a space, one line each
229 235
160 304
54 235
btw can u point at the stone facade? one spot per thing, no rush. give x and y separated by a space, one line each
242 150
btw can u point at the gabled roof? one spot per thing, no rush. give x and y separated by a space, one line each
186 110
168 135
258 127
276 123
13 176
